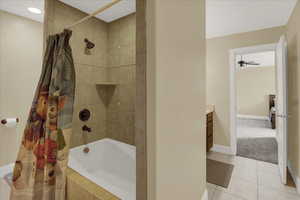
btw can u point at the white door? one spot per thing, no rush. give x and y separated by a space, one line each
281 106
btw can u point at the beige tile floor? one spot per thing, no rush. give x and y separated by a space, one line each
251 180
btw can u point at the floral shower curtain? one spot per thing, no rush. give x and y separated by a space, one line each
39 172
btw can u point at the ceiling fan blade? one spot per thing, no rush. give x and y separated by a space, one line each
252 63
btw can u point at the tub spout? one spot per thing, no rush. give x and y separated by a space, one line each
86 128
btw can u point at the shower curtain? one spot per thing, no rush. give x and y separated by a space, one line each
40 168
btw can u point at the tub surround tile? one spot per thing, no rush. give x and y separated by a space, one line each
86 92
112 109
89 68
94 29
122 69
112 59
80 188
75 191
117 102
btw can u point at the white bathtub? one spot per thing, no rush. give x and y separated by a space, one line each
5 181
110 164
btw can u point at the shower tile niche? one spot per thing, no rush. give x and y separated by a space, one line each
105 78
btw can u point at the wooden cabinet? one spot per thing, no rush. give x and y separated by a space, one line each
209 131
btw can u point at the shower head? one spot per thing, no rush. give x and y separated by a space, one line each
89 44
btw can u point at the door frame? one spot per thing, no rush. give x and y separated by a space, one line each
232 85
282 116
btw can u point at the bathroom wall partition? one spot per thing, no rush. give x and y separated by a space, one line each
141 103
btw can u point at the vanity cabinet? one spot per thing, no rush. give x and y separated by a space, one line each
209 131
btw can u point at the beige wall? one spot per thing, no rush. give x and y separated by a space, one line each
254 85
293 37
176 99
217 73
21 46
122 67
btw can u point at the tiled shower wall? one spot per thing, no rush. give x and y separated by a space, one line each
89 68
121 69
112 59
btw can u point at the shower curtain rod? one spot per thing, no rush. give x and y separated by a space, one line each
94 13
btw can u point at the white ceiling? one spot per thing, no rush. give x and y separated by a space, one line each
223 17
121 9
19 7
226 17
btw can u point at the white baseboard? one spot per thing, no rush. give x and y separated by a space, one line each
205 195
253 117
222 149
294 176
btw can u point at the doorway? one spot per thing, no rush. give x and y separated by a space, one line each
256 94
253 126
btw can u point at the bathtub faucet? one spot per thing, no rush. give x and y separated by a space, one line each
86 128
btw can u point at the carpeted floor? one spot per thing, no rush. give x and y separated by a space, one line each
263 149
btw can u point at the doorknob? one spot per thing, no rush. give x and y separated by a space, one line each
283 116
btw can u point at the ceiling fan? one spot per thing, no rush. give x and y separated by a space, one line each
243 63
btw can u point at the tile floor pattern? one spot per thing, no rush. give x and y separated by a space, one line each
251 180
